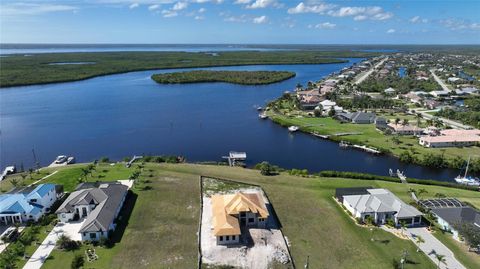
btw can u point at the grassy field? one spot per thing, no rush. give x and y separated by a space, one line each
38 68
235 77
370 136
163 219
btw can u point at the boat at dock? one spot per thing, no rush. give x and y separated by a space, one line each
262 116
7 171
60 159
71 160
467 180
293 128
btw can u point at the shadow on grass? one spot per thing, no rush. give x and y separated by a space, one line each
123 218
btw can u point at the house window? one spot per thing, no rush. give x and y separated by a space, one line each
261 219
242 214
227 238
250 220
221 238
93 235
233 237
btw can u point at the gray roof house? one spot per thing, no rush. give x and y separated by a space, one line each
357 117
96 207
380 205
451 211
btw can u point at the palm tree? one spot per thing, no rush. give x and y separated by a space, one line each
440 258
404 227
429 122
14 182
418 117
404 122
421 191
397 121
419 240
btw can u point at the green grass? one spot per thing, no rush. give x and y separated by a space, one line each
235 77
20 70
161 230
369 136
469 259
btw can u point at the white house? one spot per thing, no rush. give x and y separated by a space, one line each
380 205
232 212
27 204
390 91
97 206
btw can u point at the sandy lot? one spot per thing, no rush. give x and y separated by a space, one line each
265 245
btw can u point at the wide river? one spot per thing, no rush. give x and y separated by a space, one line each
126 114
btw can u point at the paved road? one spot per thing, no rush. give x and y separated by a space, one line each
433 245
369 72
439 81
454 124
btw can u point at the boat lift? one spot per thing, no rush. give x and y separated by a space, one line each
234 156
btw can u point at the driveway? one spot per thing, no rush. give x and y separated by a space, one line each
44 250
432 245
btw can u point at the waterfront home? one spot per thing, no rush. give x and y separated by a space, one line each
381 123
439 93
27 204
413 97
451 212
431 104
454 79
328 105
357 117
467 91
324 89
451 138
390 91
97 205
407 129
380 205
309 99
233 212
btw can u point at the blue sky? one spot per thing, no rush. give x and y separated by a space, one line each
240 21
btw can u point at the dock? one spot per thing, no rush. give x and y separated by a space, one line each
344 144
234 157
8 170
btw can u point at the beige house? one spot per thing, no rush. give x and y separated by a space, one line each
232 213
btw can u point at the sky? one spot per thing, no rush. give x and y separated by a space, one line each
240 21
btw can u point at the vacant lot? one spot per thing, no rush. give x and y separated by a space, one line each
162 227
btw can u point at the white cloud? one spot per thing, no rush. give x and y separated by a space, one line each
460 25
418 19
15 9
199 17
206 1
391 31
134 5
302 8
180 6
241 18
169 13
242 2
325 25
360 18
153 7
362 13
263 4
260 20
201 10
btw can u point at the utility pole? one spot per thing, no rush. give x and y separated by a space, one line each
306 263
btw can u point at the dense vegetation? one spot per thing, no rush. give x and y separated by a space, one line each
469 115
365 102
37 68
236 77
403 85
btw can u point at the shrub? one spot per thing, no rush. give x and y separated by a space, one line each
64 242
104 160
77 261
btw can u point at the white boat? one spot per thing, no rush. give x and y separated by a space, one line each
466 180
70 160
262 116
61 159
293 128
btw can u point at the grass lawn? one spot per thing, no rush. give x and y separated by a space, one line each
369 136
469 259
163 220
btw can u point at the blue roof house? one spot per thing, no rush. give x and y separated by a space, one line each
27 204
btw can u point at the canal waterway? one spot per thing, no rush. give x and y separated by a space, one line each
126 114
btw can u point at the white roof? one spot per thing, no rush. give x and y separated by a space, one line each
381 200
327 103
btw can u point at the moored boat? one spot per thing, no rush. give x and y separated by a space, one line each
467 180
293 128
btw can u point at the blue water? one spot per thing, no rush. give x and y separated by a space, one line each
126 114
401 71
6 49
